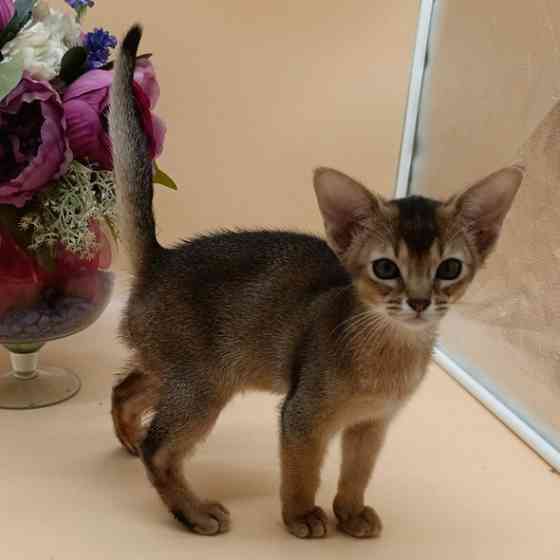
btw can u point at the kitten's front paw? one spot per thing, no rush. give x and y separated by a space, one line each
208 518
310 525
365 524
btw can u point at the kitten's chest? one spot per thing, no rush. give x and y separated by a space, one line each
397 381
379 393
392 369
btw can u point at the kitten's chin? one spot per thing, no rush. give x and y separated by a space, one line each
416 323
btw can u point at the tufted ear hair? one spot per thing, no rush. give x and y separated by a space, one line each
345 205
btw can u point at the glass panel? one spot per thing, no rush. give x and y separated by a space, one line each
492 77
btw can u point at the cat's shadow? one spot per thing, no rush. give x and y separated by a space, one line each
216 479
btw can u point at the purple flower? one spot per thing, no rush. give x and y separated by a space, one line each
98 42
86 104
7 10
77 4
33 145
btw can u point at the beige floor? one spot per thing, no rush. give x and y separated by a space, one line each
452 483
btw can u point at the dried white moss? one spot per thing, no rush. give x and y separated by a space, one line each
66 210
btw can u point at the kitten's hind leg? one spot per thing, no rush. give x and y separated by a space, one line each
184 417
136 394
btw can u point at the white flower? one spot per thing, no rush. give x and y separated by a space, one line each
44 40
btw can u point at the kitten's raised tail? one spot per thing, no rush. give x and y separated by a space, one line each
132 163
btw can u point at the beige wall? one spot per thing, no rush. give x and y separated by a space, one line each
258 92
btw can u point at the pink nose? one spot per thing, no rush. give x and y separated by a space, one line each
419 305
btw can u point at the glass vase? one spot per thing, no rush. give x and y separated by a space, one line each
39 304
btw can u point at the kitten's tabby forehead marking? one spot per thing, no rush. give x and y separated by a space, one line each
417 222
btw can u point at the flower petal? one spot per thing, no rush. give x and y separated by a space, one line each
145 76
86 100
53 154
86 133
93 80
7 10
159 131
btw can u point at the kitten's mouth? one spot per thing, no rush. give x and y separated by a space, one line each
416 320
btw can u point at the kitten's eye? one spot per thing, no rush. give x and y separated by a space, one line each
385 269
449 269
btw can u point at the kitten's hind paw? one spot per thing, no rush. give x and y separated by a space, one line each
364 525
208 518
310 525
124 440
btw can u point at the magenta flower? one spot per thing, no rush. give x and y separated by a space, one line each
86 105
7 10
33 145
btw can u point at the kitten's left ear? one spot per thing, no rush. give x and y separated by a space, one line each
345 204
484 206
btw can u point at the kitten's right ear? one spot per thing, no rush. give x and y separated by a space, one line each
345 205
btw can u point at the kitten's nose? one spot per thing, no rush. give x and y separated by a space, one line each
419 304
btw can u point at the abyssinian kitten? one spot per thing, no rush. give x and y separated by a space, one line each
344 328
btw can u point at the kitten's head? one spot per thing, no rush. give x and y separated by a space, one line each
412 258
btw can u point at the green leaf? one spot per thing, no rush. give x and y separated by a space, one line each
22 14
81 12
72 65
11 71
164 179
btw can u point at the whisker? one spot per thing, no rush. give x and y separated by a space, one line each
375 331
346 321
353 323
372 328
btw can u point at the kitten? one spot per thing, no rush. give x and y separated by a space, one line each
345 330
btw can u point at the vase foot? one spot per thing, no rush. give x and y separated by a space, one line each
47 386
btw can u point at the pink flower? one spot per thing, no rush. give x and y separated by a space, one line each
86 104
7 10
33 145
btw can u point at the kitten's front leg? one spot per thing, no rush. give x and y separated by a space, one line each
360 448
302 452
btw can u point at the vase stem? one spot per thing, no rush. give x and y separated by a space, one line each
25 365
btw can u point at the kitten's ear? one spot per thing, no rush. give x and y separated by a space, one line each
484 206
345 205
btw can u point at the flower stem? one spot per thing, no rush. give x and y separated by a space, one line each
80 13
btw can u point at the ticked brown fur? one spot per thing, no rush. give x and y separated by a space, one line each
345 330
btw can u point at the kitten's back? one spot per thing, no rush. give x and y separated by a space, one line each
256 291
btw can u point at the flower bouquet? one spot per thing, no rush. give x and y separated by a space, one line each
57 194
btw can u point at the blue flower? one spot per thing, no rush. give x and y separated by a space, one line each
78 4
97 43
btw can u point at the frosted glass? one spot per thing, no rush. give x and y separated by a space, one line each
491 89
